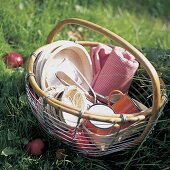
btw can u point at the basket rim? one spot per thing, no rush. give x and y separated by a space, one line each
116 118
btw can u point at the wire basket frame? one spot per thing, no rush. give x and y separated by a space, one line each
121 140
145 88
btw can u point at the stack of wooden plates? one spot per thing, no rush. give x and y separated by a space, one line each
63 56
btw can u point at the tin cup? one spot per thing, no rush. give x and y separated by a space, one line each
98 127
100 133
101 142
124 104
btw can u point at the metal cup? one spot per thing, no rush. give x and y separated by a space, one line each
124 104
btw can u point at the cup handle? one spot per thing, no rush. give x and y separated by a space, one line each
114 95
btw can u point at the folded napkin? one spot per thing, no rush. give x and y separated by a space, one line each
113 69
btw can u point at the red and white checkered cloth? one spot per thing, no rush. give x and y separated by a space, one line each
113 69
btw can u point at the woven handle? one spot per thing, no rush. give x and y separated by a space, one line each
139 57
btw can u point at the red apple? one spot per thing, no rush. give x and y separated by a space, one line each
82 141
35 147
14 59
79 139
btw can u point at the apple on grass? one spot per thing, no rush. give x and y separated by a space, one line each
13 59
35 147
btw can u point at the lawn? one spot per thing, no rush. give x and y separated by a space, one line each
25 25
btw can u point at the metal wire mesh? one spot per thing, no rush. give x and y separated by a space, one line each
82 139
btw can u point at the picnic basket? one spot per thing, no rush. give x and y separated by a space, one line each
146 87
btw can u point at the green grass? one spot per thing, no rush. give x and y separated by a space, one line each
24 26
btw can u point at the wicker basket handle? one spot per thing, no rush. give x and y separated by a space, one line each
138 55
